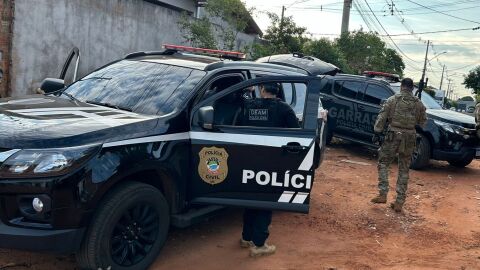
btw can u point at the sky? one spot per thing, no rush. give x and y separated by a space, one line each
459 51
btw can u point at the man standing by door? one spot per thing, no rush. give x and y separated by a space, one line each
399 116
267 111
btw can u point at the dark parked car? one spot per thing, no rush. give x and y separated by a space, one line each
353 103
104 167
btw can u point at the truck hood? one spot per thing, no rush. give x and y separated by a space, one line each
452 117
47 122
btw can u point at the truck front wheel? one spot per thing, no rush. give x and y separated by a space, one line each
127 231
460 163
421 155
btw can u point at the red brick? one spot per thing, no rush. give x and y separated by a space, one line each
6 17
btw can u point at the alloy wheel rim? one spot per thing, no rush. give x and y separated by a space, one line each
134 235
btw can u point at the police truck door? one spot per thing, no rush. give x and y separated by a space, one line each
247 166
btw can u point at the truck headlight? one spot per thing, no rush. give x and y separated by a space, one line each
45 162
451 127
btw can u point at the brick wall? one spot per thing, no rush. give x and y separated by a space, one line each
6 17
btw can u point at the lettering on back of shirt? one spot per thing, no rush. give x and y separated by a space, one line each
258 115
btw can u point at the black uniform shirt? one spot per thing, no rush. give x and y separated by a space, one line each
268 112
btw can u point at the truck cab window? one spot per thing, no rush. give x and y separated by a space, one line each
349 89
375 94
222 83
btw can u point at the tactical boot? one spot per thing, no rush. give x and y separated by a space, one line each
264 250
246 244
381 198
397 207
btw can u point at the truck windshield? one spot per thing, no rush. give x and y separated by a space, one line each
142 87
427 100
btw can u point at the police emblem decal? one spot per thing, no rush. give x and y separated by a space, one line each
213 165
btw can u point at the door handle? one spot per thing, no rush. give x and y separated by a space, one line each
293 147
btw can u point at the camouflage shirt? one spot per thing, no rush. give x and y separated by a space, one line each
402 111
477 115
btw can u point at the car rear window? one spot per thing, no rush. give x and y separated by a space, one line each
348 89
375 94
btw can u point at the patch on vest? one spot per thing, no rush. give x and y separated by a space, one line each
258 114
213 166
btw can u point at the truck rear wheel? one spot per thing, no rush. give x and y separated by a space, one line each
329 135
128 230
421 155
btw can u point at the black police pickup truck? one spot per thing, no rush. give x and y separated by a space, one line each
353 103
104 166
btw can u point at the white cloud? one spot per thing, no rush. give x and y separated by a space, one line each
463 47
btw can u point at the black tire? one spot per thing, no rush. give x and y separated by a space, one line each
134 216
462 162
421 155
329 134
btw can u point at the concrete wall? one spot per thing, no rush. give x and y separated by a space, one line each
6 11
46 30
104 30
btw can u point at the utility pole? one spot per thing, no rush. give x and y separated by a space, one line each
280 35
347 4
441 83
448 89
441 80
421 85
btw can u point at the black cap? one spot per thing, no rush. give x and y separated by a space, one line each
272 88
407 83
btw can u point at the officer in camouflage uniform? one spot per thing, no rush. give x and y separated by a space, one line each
477 119
399 116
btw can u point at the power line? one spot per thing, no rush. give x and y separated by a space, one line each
395 44
431 12
439 31
446 14
373 27
339 10
298 2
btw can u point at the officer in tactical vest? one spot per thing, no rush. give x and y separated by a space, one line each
267 111
398 116
477 119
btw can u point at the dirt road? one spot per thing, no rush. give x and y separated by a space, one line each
440 228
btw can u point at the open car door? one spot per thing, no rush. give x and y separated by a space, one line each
69 73
255 167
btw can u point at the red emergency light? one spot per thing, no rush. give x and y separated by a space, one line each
390 76
218 53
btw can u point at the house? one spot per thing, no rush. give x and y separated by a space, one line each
37 35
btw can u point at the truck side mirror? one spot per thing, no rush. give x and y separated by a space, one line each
50 85
205 117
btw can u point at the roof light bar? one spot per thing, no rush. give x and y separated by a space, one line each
389 76
378 73
219 53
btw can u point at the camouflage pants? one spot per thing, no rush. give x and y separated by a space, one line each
402 143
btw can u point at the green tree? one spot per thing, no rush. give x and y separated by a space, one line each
467 98
236 16
366 51
472 80
220 28
326 50
430 91
198 32
281 37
